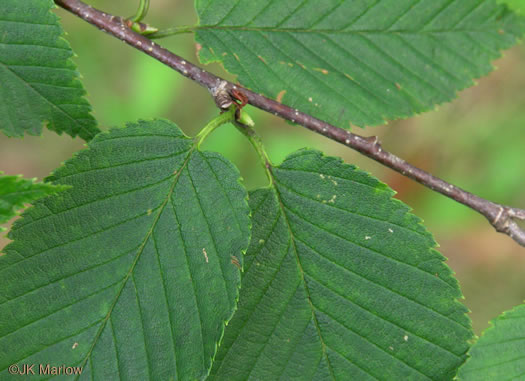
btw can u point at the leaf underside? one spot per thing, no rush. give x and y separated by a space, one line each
39 84
340 283
356 62
133 272
500 352
16 191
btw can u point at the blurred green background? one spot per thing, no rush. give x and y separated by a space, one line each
476 142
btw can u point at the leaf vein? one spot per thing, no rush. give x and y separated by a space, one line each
164 289
69 276
90 202
359 17
289 16
68 115
307 290
56 342
141 318
191 277
346 210
62 309
278 320
252 312
404 14
396 63
383 255
369 311
140 251
364 338
77 239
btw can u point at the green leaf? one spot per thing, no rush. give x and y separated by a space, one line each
133 272
500 352
39 82
16 191
341 283
517 6
358 62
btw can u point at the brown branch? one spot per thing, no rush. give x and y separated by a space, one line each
503 218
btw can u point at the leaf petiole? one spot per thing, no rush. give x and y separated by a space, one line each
256 142
226 117
135 22
173 31
142 11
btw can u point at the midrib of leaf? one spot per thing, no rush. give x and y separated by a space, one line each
166 298
283 209
137 257
312 307
303 281
333 206
327 64
205 217
269 283
344 30
355 213
186 252
377 252
352 22
57 107
333 31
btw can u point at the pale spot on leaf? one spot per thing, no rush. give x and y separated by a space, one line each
324 71
280 96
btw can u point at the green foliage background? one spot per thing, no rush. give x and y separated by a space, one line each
475 142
